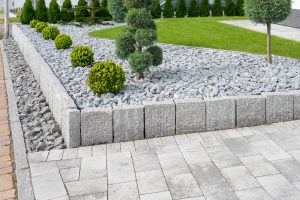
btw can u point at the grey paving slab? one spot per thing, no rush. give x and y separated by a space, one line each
65 197
99 150
141 145
84 151
42 168
48 186
245 131
120 171
290 168
86 187
233 133
195 138
71 163
259 166
145 161
218 192
123 191
194 153
155 142
181 139
151 182
157 196
113 148
209 140
173 164
295 154
38 156
168 149
253 194
93 167
241 147
207 174
168 140
55 154
296 184
279 188
195 198
285 141
127 146
70 154
240 178
183 186
70 174
97 196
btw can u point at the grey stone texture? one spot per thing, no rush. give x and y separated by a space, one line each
71 127
296 96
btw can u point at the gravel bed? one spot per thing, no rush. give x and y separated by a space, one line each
41 132
186 72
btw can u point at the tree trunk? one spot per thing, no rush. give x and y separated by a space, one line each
269 43
139 75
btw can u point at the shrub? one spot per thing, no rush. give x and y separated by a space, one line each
103 11
217 9
156 11
106 77
33 23
41 13
50 32
157 55
82 56
146 4
140 61
204 8
67 14
124 44
81 13
140 19
39 27
193 10
53 12
239 8
229 8
63 41
180 8
168 9
117 9
27 13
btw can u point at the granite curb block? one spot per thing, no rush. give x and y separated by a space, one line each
24 187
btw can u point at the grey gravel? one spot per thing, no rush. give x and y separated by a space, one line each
41 132
186 72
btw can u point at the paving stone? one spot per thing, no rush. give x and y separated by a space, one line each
221 134
86 187
245 131
42 168
141 145
145 161
194 153
48 186
207 174
119 156
6 182
155 142
296 184
37 156
270 150
270 128
290 168
123 191
127 146
168 140
285 141
282 127
65 197
195 138
97 196
259 166
70 174
120 171
258 130
55 154
279 188
209 140
93 167
151 182
257 138
218 192
113 148
239 178
157 196
223 157
183 186
195 198
99 150
168 149
173 163
72 163
252 194
181 139
233 133
70 154
241 147
295 154
84 152
8 194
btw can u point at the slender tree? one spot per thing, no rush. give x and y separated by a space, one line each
67 14
268 12
239 8
156 11
53 12
193 9
204 8
217 9
41 12
229 8
27 12
181 9
103 12
81 13
117 9
168 9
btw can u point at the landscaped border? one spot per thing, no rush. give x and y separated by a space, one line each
153 119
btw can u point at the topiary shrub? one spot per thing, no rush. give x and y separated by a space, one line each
229 8
156 11
180 9
193 9
168 9
157 55
39 27
204 8
217 9
63 41
82 13
139 61
239 8
41 12
27 13
117 9
53 12
33 23
67 14
50 32
106 77
82 56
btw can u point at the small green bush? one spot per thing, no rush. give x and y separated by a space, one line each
33 23
145 37
50 32
53 12
157 55
139 61
106 77
82 56
140 19
125 44
168 9
39 27
27 13
63 41
41 11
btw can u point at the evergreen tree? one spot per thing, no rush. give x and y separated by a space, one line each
217 8
27 12
81 13
229 9
67 14
204 8
239 8
193 9
117 9
181 9
156 11
41 12
103 12
53 12
168 9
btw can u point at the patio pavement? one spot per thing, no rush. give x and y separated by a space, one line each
256 163
278 30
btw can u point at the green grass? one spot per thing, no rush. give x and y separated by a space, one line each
208 32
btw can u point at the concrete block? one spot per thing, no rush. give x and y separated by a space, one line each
296 96
220 113
159 119
279 107
250 111
128 123
190 116
96 126
71 127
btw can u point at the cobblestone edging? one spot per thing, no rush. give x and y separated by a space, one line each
104 125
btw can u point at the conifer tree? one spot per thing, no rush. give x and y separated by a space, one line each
41 11
193 9
156 11
181 9
53 12
204 8
239 8
27 12
217 9
168 9
67 14
229 8
80 14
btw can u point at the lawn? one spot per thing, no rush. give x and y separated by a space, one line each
208 32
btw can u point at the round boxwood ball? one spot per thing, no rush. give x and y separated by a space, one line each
33 23
140 61
106 77
63 41
50 32
39 27
82 56
157 55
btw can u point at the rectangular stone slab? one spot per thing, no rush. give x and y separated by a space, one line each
296 96
250 111
71 127
220 113
96 126
190 116
159 119
128 123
